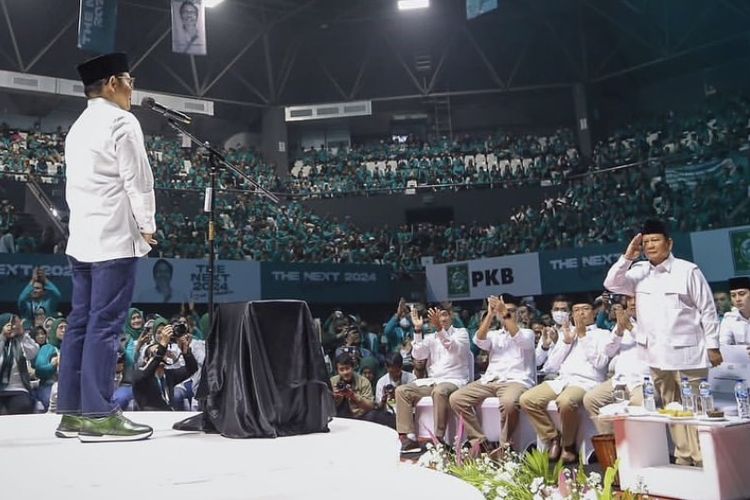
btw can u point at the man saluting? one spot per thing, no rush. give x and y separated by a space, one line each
677 320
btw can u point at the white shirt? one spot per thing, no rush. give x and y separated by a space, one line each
628 359
511 357
109 185
677 318
406 378
582 363
735 328
447 354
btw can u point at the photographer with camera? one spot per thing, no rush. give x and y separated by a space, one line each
352 393
153 385
385 388
353 347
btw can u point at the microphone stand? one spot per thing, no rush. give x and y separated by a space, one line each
216 161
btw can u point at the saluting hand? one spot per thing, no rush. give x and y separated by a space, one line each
634 247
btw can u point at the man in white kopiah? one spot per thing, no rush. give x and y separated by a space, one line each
676 319
448 356
582 364
511 371
627 362
735 326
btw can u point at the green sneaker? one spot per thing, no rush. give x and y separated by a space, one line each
69 427
112 428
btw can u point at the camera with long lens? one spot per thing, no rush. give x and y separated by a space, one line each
178 330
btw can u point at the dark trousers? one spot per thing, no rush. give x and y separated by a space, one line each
102 292
16 403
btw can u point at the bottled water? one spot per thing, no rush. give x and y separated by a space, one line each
649 399
688 400
706 399
743 400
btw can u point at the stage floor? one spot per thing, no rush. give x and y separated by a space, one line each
355 460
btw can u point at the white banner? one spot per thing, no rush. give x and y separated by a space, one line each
179 281
476 279
722 253
189 27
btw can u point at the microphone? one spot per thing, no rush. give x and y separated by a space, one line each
150 103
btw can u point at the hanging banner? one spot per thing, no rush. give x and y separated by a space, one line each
475 8
97 20
189 27
476 279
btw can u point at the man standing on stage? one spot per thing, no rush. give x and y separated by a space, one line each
110 193
676 316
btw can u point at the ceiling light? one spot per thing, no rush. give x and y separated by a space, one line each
212 3
413 4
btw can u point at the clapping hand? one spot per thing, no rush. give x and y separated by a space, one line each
416 319
433 314
623 320
568 334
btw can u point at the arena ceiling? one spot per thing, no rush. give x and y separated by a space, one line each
270 52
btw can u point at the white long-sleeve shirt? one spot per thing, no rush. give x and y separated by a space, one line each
511 357
677 318
448 357
628 359
109 185
582 363
734 329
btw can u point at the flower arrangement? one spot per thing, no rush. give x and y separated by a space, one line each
527 476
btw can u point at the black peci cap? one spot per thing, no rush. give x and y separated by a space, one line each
102 67
739 283
655 226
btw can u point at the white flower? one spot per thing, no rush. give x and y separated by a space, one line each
501 492
594 479
537 484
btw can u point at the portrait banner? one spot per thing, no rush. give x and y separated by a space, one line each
189 27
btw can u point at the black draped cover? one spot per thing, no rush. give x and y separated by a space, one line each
264 374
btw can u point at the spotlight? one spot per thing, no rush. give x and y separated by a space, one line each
212 3
413 4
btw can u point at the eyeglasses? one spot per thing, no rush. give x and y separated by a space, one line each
129 79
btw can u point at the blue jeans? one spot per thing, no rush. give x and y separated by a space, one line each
102 292
42 394
123 396
182 394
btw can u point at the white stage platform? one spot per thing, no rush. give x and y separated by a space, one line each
355 460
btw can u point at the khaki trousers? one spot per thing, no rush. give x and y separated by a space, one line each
407 396
667 382
466 400
534 403
602 395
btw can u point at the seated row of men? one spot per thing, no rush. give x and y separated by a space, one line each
580 357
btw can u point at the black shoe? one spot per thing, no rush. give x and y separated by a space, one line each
112 428
410 446
69 426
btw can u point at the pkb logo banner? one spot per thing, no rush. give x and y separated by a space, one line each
476 279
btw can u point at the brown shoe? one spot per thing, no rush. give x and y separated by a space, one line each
554 449
568 457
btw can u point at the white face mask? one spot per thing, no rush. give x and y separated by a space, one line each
404 323
560 317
